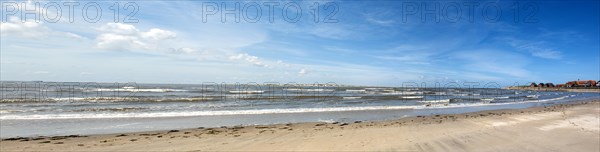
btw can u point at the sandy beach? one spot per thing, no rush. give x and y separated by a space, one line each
566 127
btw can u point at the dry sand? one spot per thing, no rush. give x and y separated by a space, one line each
570 127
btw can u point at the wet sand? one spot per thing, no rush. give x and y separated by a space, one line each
566 127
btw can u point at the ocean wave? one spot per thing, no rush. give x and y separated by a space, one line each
114 99
95 115
198 113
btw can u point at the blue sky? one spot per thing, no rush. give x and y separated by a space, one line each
364 43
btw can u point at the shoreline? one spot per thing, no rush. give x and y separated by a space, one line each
283 136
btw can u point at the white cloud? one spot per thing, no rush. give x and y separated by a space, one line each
408 47
500 62
372 19
116 41
120 36
547 53
158 34
406 59
119 28
73 35
302 72
480 76
537 49
41 72
27 29
31 29
408 54
249 59
380 22
379 16
184 50
330 31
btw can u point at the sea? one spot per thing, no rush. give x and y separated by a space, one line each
37 108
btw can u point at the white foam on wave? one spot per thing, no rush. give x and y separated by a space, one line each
401 93
309 90
436 101
362 90
503 97
131 89
68 99
326 120
412 97
487 99
247 91
351 98
92 99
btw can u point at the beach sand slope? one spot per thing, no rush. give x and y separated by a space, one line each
571 127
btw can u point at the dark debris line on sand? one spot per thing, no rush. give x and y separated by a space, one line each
41 138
